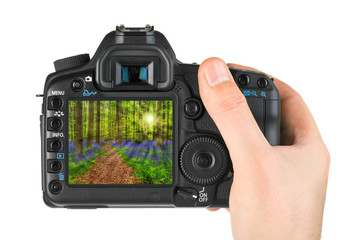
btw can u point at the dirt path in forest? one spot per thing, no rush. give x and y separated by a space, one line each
111 169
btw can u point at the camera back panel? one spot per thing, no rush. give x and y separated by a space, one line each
128 128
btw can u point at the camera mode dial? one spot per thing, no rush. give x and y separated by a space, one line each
204 160
71 62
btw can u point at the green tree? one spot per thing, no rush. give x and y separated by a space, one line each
126 110
158 135
90 135
78 128
119 122
167 121
97 121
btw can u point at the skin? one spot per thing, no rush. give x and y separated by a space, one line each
278 192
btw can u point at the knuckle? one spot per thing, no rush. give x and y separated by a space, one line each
293 96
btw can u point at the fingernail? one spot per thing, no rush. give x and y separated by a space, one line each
216 72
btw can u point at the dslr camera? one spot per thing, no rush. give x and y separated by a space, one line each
127 127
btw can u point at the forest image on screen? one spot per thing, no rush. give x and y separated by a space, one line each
120 142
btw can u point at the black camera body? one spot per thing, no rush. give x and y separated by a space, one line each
128 128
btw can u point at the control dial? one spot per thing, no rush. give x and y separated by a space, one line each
204 160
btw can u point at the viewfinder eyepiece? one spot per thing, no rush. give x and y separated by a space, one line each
134 74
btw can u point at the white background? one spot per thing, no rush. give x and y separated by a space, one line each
311 45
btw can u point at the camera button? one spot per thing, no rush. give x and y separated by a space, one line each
54 145
244 79
77 84
55 103
262 83
204 160
55 187
192 108
54 166
54 124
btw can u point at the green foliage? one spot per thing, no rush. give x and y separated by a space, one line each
76 169
148 173
134 117
151 165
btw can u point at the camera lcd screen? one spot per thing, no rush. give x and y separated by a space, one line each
120 142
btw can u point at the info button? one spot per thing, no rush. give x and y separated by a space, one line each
54 145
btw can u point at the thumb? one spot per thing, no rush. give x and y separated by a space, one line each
228 108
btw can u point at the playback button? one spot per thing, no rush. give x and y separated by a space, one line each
53 166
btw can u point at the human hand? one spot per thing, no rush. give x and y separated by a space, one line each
278 192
